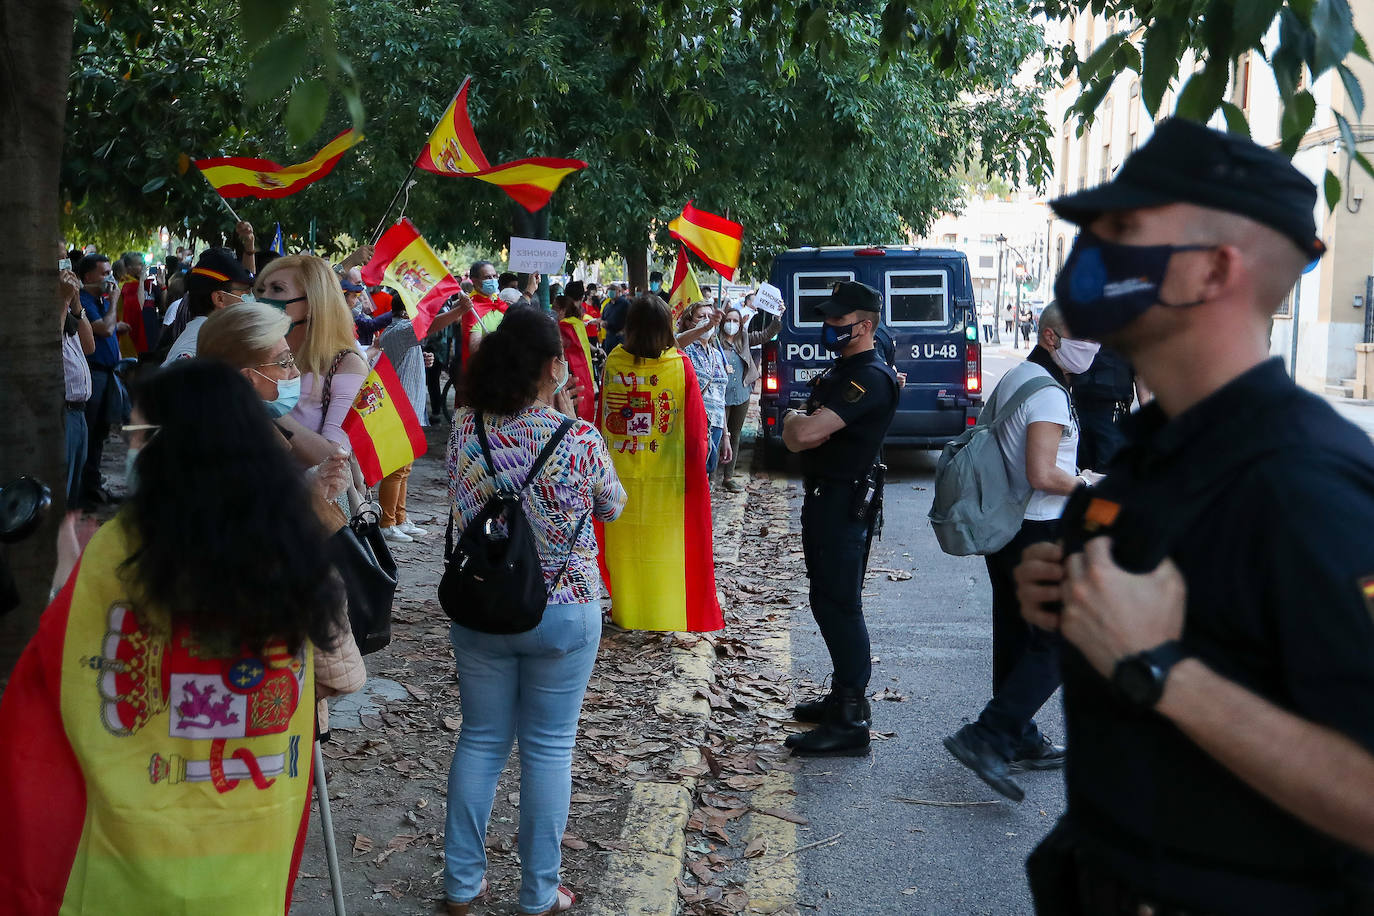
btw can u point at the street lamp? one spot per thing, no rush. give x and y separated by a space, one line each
1020 270
997 300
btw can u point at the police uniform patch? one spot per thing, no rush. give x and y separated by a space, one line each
854 392
1367 589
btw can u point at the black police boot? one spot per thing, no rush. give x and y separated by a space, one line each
844 733
815 711
1042 755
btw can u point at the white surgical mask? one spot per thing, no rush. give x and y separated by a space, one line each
731 328
562 379
1075 356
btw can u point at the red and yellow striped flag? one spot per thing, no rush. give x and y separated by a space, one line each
404 261
452 149
684 292
382 426
714 239
239 176
657 557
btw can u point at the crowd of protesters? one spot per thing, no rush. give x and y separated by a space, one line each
229 373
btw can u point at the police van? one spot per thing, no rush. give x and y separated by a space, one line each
928 311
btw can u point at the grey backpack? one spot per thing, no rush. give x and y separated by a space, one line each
974 510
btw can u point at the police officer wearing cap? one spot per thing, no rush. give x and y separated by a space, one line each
839 438
1216 590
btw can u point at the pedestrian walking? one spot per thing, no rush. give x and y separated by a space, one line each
1219 668
527 685
1039 446
839 437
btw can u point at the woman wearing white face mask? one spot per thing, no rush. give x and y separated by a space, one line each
743 372
1039 445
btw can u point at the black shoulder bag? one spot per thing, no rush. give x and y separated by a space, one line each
493 582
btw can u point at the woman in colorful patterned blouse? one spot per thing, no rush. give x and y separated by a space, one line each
529 684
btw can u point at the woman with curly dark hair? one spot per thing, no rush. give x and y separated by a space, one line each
174 666
529 684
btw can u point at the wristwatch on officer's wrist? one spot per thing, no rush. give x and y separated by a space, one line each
1139 678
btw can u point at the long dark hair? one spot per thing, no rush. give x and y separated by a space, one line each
502 377
648 327
228 541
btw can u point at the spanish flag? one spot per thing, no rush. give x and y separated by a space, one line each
144 771
714 239
656 559
404 261
684 292
452 149
382 426
236 176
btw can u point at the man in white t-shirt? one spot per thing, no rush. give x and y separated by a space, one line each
1039 444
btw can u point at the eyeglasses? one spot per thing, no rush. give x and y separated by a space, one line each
127 431
285 364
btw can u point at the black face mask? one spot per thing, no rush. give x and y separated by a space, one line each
1104 286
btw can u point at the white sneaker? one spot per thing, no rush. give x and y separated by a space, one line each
394 533
412 529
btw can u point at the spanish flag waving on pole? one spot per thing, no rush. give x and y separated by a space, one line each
714 239
239 176
382 426
657 557
684 292
404 261
452 149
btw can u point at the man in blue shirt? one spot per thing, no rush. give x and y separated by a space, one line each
106 402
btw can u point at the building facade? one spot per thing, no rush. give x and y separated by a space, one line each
1321 327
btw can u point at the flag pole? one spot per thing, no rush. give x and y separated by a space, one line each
377 233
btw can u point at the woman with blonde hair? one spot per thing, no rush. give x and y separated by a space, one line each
321 337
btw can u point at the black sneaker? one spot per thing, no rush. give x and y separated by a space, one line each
1043 755
973 751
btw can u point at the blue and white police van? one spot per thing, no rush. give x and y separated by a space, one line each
928 311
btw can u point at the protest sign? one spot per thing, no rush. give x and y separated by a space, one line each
769 299
542 255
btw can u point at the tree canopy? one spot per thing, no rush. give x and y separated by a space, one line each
823 142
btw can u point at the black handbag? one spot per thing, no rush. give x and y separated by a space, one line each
494 582
360 554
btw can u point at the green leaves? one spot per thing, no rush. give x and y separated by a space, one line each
1332 188
260 19
1297 118
1333 32
1202 93
1163 40
275 67
1251 22
305 112
1235 119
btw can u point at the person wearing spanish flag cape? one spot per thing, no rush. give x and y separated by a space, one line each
839 438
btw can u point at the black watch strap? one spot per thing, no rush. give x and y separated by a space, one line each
1140 678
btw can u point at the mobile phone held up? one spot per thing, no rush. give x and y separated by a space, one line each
64 264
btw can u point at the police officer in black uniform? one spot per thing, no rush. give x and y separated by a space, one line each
1219 688
1102 396
839 438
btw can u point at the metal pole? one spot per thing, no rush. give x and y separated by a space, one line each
1293 344
377 233
331 851
997 301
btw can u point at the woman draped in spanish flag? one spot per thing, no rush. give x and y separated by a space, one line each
657 557
158 729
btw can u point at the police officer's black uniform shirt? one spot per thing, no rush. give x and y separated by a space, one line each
1275 496
862 390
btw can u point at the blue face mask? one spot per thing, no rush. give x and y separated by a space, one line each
1104 286
655 286
489 286
835 338
288 393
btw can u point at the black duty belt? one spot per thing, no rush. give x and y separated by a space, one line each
76 405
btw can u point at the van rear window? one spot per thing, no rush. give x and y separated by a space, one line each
810 288
917 297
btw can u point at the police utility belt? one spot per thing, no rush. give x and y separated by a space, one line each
866 492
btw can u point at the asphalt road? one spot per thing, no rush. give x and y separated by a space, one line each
932 643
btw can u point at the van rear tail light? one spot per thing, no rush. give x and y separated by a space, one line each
873 252
973 369
770 367
971 421
770 421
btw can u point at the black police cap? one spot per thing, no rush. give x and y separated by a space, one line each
849 296
1187 162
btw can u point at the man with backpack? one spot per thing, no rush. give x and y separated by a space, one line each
1031 418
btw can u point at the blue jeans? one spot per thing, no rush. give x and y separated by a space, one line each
528 685
713 448
76 454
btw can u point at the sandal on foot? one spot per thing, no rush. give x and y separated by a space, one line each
462 909
563 903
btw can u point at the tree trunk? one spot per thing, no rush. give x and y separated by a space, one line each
36 42
527 225
637 266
